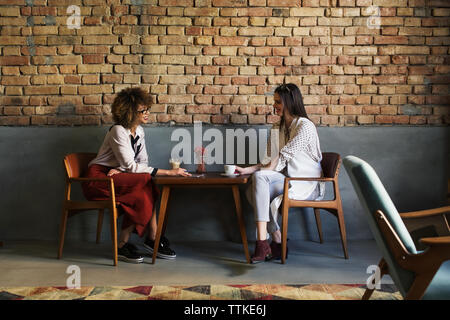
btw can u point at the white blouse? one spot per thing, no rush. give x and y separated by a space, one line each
122 151
300 137
300 156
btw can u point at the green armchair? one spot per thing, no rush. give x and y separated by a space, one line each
417 274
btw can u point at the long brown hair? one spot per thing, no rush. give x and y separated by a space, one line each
292 100
125 105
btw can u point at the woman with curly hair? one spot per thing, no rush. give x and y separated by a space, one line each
123 156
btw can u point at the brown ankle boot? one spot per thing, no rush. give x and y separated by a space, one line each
262 251
276 250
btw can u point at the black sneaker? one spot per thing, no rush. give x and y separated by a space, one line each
164 250
128 253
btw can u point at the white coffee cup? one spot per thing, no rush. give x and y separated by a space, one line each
229 169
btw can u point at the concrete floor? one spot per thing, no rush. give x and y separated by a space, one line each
34 263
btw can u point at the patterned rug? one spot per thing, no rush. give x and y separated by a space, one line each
202 292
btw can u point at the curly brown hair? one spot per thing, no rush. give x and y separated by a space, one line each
125 105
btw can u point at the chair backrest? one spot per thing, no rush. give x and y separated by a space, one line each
373 197
76 163
330 164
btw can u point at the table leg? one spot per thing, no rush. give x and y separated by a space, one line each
163 232
237 202
161 218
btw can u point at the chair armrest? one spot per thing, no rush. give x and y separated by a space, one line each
89 179
436 241
288 179
438 251
426 262
109 180
309 179
425 213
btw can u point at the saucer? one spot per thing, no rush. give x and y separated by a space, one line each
229 175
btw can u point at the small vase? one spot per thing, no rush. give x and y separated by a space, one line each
201 168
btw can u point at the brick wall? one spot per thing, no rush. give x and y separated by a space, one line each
217 61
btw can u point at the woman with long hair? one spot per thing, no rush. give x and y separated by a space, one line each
299 156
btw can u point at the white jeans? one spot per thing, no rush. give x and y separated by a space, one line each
265 186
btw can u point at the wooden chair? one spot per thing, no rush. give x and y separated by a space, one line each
330 166
417 274
76 165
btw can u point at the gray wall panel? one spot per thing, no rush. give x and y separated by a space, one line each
412 162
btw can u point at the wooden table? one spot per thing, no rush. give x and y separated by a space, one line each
207 180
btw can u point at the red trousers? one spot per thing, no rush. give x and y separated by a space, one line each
136 193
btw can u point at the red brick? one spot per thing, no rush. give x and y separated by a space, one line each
279 51
220 119
221 99
256 119
230 41
365 120
384 119
274 61
14 120
229 3
389 79
420 70
435 22
391 40
207 109
14 61
417 120
400 59
283 3
254 12
176 3
199 12
444 100
240 80
346 60
15 80
193 31
44 11
329 120
93 58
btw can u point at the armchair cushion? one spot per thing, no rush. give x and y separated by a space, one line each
439 288
373 197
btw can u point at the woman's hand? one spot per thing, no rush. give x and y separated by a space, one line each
113 172
272 164
179 172
247 170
